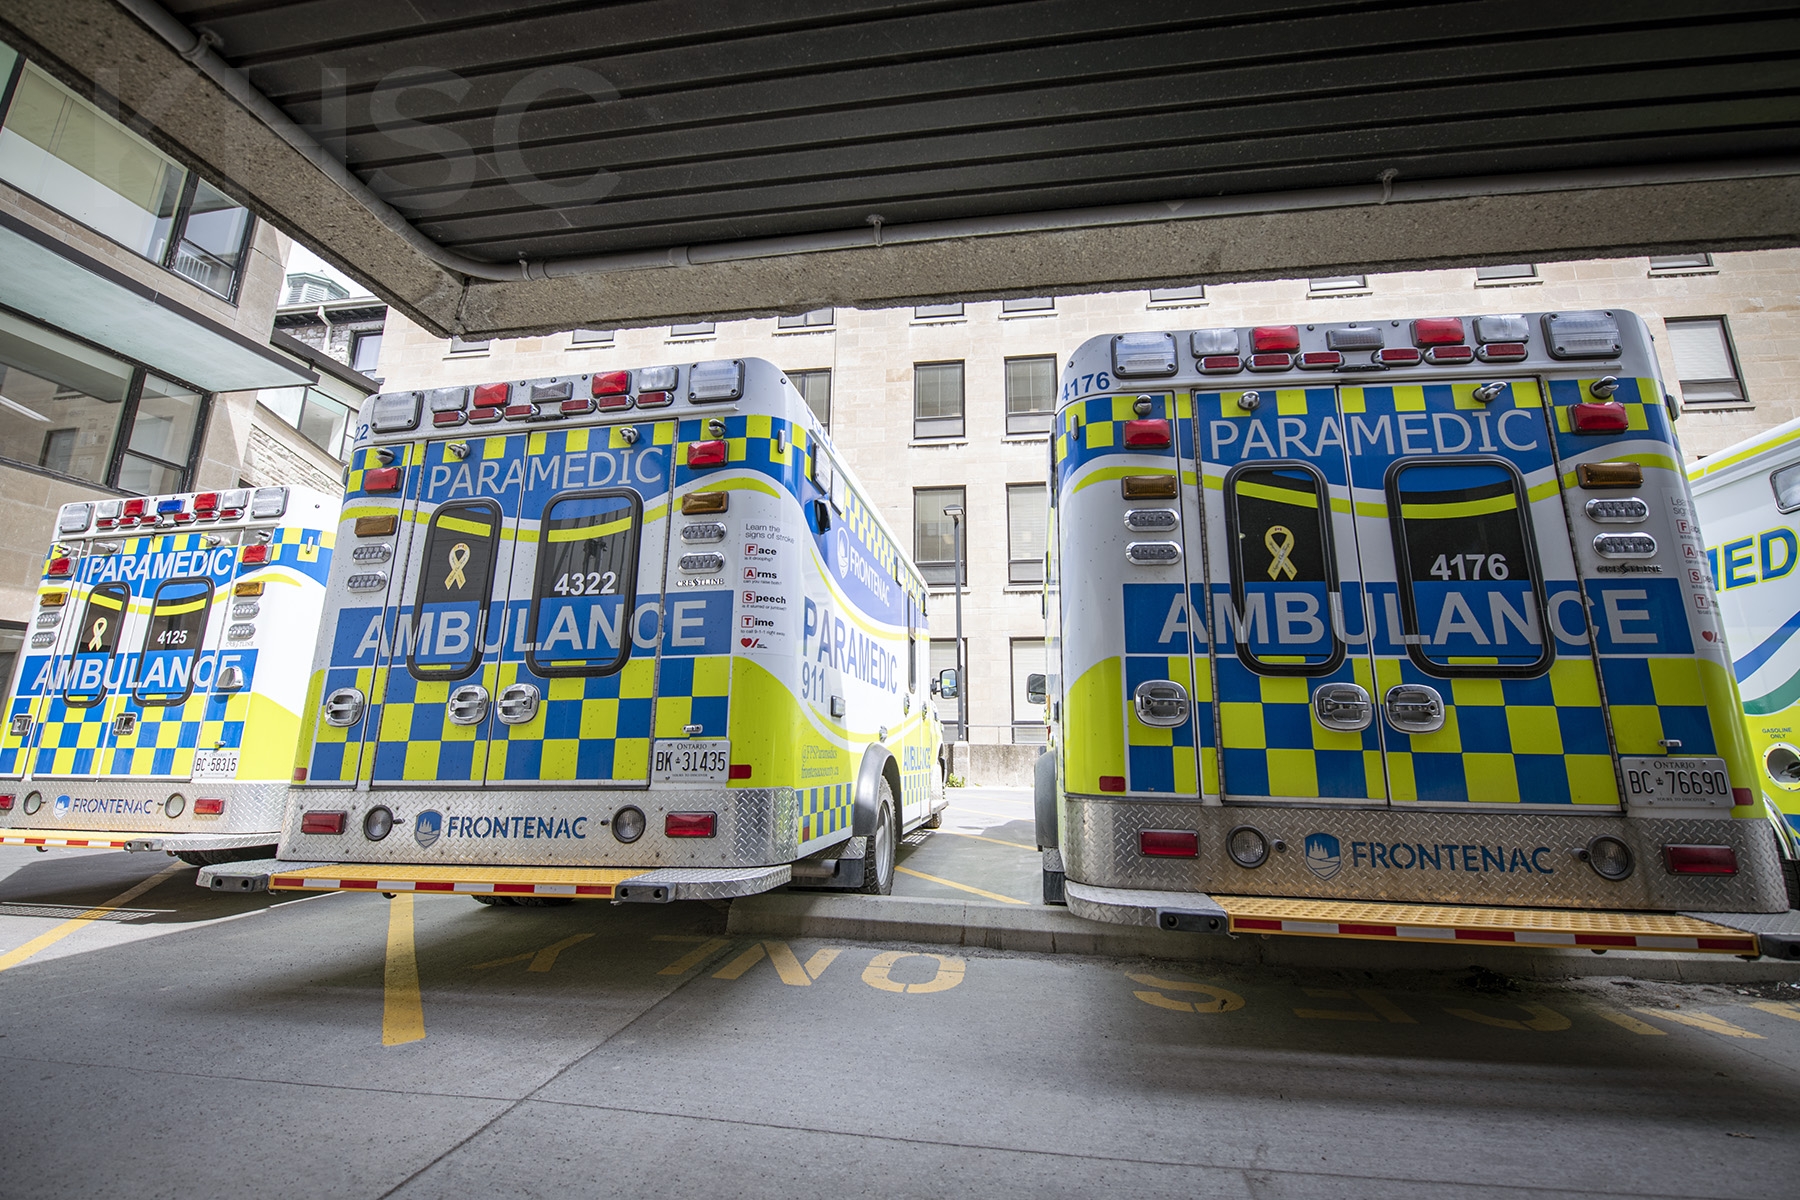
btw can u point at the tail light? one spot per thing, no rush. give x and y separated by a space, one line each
1275 337
208 808
1169 843
6 803
1608 417
381 479
492 395
611 383
1700 860
253 555
706 454
689 824
1438 331
1147 435
60 568
323 822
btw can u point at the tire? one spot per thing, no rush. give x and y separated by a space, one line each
194 858
934 821
880 847
495 901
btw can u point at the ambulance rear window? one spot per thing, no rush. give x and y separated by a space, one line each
582 604
172 643
96 640
1283 571
1471 598
455 582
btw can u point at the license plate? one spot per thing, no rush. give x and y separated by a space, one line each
1683 781
690 762
215 764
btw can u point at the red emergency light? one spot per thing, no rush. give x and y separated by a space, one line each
492 395
206 503
706 454
1147 435
611 383
1438 331
254 555
381 479
60 568
689 825
135 508
1275 337
1609 417
1169 843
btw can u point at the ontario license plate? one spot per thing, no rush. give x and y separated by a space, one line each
215 764
1685 781
690 762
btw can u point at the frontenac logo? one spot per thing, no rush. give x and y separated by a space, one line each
62 807
426 828
1323 855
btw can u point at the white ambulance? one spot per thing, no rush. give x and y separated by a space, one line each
1394 630
1747 496
157 703
632 635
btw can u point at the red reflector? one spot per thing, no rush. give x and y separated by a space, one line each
1438 331
208 808
688 824
1112 783
382 479
576 408
323 822
1169 843
134 508
739 771
613 403
484 416
654 399
6 803
1270 362
1402 356
1319 360
1599 418
447 418
254 554
1441 355
183 518
1502 352
1700 860
1275 337
520 412
611 383
1147 435
492 395
106 523
706 454
1220 364
206 502
60 568
299 774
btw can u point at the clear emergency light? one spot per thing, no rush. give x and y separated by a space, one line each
73 518
712 382
1205 342
395 412
268 502
1141 355
1582 334
657 379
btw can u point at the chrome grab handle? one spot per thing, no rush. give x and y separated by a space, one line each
1162 703
518 703
1414 708
1344 707
468 704
344 707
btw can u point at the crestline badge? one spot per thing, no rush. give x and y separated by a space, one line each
426 828
1323 855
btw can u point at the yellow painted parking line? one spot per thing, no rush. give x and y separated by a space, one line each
983 838
1623 1021
402 1012
694 957
1781 1008
1700 1020
961 887
44 941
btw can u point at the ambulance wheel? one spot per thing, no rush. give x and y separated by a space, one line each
194 858
879 848
495 901
934 821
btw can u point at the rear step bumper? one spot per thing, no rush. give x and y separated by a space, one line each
97 839
1539 928
619 884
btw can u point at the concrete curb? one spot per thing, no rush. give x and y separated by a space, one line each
986 925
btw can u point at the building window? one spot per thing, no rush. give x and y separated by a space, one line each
937 400
937 312
1680 264
1177 297
591 337
1028 659
463 345
1337 285
321 413
934 537
693 329
818 318
365 352
814 388
1030 394
1511 273
1704 361
60 148
943 658
1027 529
1034 304
74 411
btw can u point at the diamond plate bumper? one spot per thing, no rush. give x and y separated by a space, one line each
1440 923
586 883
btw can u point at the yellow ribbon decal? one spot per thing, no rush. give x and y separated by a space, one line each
1280 542
459 558
98 642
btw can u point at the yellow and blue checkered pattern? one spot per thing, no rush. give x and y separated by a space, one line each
1275 746
1089 429
825 810
165 738
1645 415
1159 759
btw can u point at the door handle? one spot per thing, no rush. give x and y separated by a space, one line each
343 708
1414 708
518 703
1344 707
468 704
1162 703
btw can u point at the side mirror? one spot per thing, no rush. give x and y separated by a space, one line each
1037 688
821 513
1673 405
945 684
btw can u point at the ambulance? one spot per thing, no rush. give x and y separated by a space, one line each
635 635
1747 496
1394 630
157 703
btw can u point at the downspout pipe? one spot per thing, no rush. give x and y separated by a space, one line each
198 50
